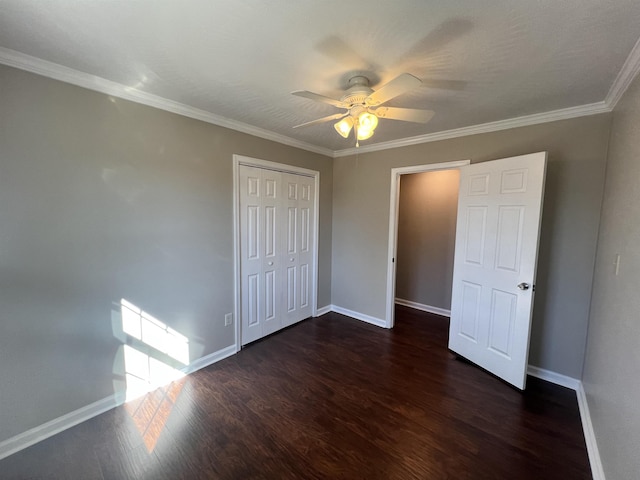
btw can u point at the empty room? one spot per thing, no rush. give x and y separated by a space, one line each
381 240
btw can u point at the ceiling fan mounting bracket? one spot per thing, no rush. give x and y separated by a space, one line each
359 80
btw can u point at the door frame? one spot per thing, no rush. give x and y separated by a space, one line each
279 167
394 204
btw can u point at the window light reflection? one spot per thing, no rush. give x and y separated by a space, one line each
152 385
153 332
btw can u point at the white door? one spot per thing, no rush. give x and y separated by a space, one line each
276 250
297 252
259 237
498 227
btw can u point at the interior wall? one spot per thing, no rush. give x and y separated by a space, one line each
427 213
575 180
612 360
103 199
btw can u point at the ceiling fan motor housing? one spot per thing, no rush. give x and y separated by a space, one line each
358 91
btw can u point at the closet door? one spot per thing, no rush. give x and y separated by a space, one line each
297 256
271 258
276 250
260 252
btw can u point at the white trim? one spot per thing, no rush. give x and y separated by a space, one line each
236 256
280 167
626 75
424 308
108 87
55 71
394 203
71 419
537 118
324 310
209 360
585 415
378 322
57 425
553 377
316 252
589 435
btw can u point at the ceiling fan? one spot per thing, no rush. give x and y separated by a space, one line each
363 106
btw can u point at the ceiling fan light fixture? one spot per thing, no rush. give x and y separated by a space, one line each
367 121
363 106
364 133
367 124
344 126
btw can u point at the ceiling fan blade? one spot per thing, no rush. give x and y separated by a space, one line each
399 85
338 50
445 84
441 36
405 114
319 98
323 120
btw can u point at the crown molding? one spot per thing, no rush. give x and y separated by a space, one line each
524 121
626 75
55 71
92 82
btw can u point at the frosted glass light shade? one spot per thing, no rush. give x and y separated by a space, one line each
367 124
344 126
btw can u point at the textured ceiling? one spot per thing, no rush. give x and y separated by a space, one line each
239 59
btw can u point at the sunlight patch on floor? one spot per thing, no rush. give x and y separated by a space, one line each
152 385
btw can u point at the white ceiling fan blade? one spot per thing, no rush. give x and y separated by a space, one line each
399 85
323 120
445 84
319 98
405 114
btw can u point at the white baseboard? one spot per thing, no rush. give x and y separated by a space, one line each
57 425
425 308
359 316
324 310
71 419
209 359
589 435
553 377
585 416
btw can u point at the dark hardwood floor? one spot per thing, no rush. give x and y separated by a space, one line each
328 398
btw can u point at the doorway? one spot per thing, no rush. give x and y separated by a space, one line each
496 248
426 240
394 210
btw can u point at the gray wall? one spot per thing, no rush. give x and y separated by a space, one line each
426 237
612 362
103 199
575 180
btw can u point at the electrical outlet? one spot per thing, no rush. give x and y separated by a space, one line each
228 319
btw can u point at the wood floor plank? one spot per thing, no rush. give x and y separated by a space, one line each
330 397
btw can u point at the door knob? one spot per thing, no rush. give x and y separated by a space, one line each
291 259
523 286
269 263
